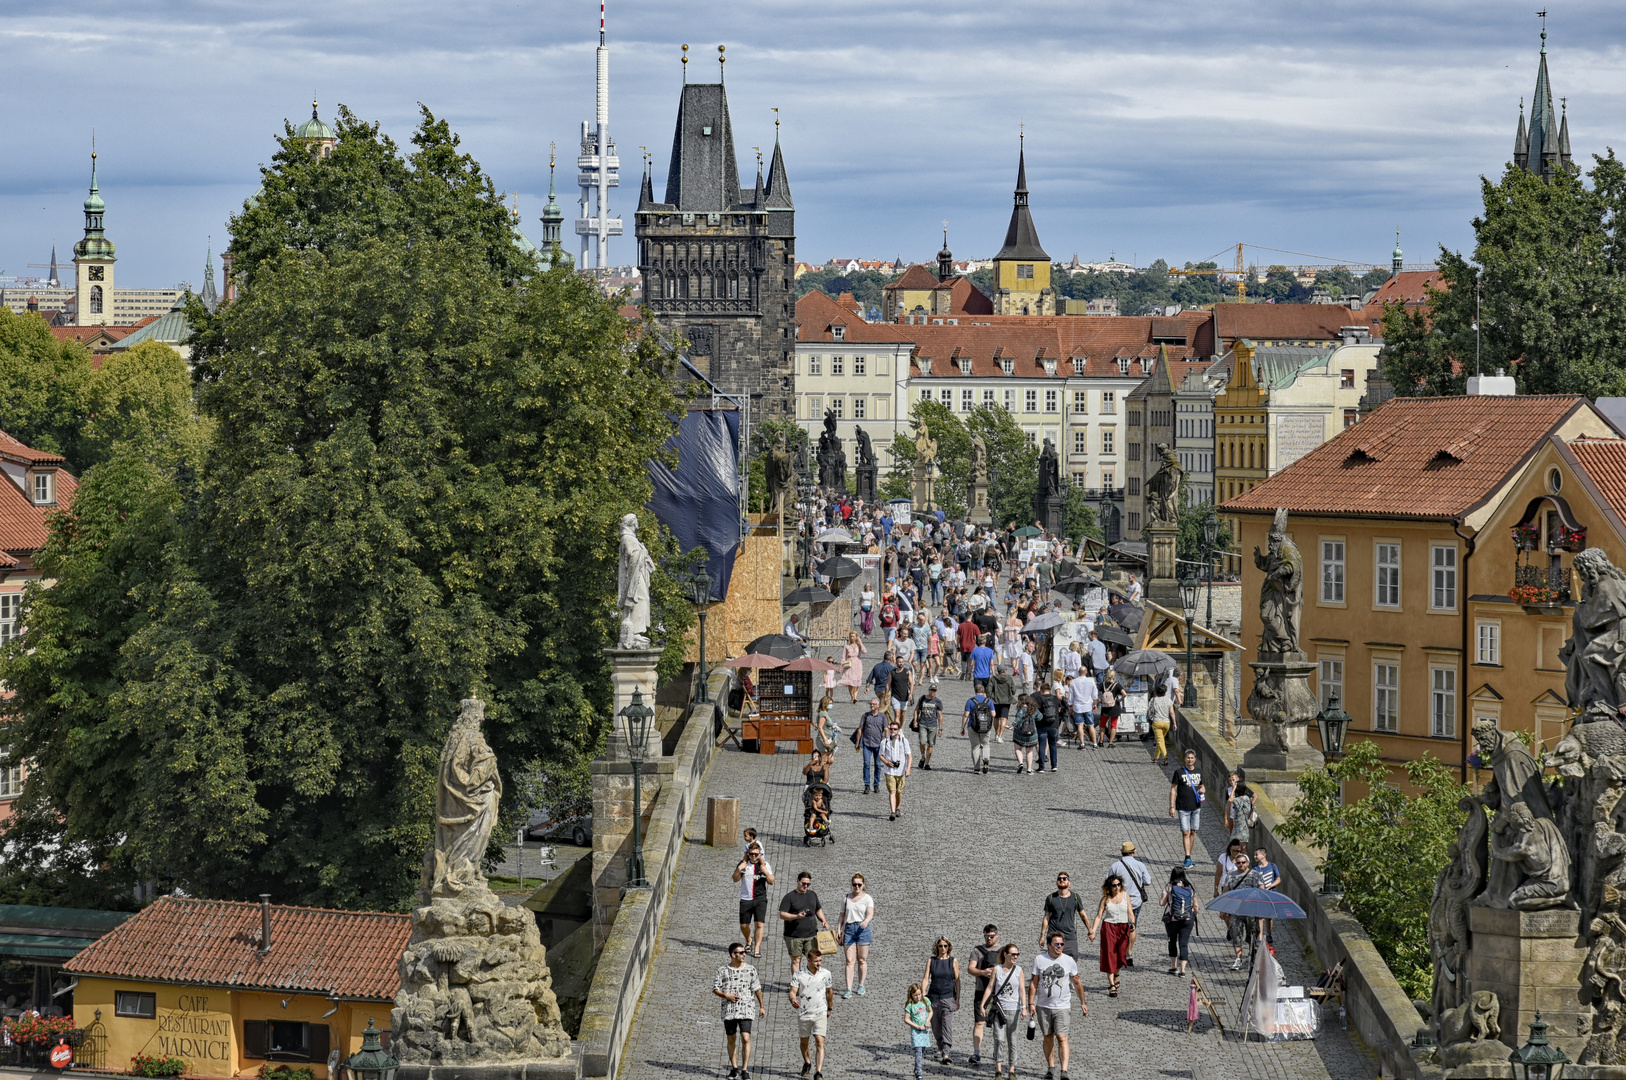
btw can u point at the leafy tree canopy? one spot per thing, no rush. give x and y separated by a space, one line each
1547 266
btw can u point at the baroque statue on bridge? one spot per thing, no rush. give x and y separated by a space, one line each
1281 597
1163 489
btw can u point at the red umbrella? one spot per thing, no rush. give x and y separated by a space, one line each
810 663
754 660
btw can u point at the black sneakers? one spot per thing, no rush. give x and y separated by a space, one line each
807 1067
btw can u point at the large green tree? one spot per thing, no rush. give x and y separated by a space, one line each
422 448
42 387
1547 272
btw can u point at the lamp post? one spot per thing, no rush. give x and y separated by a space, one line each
1210 542
700 593
1538 1059
1188 601
372 1061
1333 723
636 716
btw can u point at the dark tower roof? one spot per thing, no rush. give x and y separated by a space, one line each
1021 238
778 182
1544 147
945 259
646 194
704 176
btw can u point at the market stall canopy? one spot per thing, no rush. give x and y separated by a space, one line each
810 663
754 660
50 935
1027 531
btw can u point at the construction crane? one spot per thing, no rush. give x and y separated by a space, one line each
1244 270
1241 273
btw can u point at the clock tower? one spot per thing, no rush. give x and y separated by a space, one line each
93 261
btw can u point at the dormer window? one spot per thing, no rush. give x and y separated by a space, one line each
1008 365
839 333
44 488
965 365
1123 365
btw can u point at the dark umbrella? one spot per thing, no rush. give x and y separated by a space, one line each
1041 623
1127 616
810 594
779 645
1114 635
841 568
1077 586
1142 662
1256 904
1026 531
1113 590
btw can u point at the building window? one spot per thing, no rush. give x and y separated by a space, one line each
1107 478
837 405
11 780
1134 451
1385 697
1081 401
859 363
967 400
1489 636
858 408
839 333
1331 681
1134 418
1081 440
1346 379
1030 401
1134 522
1351 417
1010 401
1107 441
815 407
1388 577
1007 364
285 1040
838 365
10 607
1134 485
1052 401
1123 365
95 299
1024 271
1332 571
815 365
134 1003
1445 577
988 398
1443 703
1109 401
42 489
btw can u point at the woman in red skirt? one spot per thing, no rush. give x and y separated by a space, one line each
1114 923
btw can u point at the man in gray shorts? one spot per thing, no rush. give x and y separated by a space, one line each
903 687
928 721
1055 977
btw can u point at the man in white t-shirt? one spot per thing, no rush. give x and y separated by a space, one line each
812 995
1081 698
896 760
1055 977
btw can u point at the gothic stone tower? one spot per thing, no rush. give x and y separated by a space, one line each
718 261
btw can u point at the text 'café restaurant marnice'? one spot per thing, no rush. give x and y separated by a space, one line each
232 986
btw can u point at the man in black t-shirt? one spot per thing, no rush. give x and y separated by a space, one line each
1186 794
801 912
928 721
1048 720
984 958
903 686
1060 909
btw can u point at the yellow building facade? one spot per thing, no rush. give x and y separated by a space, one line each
1022 269
1241 431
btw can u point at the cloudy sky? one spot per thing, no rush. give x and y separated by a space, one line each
1155 130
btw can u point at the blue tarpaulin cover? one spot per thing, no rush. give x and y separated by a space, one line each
699 500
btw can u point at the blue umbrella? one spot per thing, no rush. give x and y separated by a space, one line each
1256 904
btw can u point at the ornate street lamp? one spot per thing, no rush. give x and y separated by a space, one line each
700 593
1188 601
372 1061
1333 723
1538 1059
1210 542
636 716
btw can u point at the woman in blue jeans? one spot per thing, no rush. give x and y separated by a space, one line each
1049 718
857 912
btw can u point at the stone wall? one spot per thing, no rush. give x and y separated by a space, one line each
631 926
1379 1011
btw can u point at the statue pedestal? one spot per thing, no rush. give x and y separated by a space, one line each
1162 568
1282 706
613 786
866 484
1051 514
976 501
922 492
630 668
1531 960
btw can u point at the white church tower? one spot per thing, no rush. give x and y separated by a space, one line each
93 261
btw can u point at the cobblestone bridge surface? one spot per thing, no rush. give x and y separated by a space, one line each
968 850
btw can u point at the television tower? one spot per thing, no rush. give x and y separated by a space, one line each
598 169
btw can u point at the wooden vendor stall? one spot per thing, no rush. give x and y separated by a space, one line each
784 711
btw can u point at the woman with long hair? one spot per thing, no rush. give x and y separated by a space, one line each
1114 922
1180 907
1010 991
852 670
857 912
942 983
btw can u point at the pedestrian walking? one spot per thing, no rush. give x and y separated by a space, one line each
1055 977
1264 876
1186 794
802 915
866 609
942 983
1160 714
903 686
869 735
966 633
977 723
755 874
1227 862
1002 691
1114 923
1180 907
857 912
1025 733
1081 698
982 662
1049 724
1061 909
1239 813
825 729
984 958
1239 931
813 998
852 667
917 1015
1003 1002
1137 883
896 760
736 982
928 722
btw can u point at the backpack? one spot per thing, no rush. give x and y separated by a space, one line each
1107 700
1182 907
1026 728
1047 709
982 716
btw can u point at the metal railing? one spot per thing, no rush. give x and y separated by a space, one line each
1553 581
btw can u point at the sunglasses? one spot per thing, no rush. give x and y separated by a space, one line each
736 952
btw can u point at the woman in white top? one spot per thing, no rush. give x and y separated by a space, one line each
1013 636
1009 987
857 912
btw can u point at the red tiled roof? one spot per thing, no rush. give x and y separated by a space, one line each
1276 322
1434 457
916 277
10 447
346 954
82 334
1407 287
22 524
1604 461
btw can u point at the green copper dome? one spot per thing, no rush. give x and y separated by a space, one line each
95 244
314 128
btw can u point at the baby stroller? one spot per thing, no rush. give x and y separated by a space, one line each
816 807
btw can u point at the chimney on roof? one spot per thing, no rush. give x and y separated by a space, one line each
1498 385
265 924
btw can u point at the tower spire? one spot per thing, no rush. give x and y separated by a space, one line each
598 166
210 298
1542 148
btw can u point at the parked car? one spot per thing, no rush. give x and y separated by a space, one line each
576 828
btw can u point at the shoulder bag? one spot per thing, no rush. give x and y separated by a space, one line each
995 1012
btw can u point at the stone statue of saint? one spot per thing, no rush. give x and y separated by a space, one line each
1594 658
1049 471
925 447
979 459
780 471
1163 489
632 577
1515 781
1281 597
466 802
1536 847
866 452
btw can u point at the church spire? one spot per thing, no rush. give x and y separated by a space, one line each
210 298
1543 147
1021 238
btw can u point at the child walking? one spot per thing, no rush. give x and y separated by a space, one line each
917 1014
